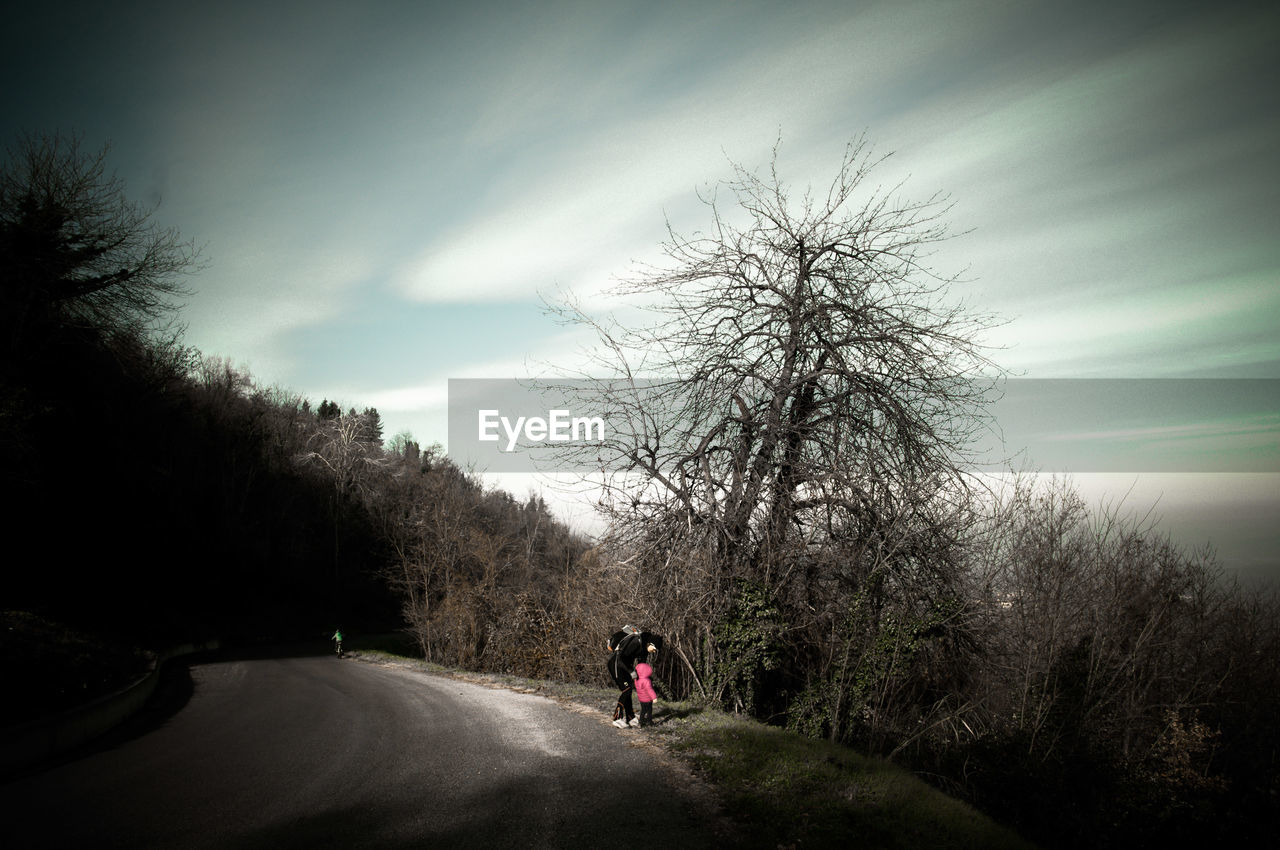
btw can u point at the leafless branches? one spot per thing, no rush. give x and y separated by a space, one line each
796 410
76 250
806 367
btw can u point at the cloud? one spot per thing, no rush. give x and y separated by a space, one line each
1088 173
414 398
588 201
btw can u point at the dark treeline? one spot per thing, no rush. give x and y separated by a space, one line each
162 497
156 495
815 559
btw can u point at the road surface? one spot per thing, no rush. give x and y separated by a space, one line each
321 752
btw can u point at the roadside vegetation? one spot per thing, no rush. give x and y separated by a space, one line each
798 524
786 790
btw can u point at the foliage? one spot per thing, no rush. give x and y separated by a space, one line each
863 694
749 642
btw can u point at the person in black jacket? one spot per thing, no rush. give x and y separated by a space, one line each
629 646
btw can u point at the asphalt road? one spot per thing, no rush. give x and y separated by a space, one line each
318 752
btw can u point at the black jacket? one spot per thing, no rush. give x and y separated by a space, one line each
628 650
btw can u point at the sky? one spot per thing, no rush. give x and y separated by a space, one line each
387 192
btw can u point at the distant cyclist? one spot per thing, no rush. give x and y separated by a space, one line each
337 639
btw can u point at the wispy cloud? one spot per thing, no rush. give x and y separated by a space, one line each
580 211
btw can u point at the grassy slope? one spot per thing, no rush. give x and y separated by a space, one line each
795 791
780 789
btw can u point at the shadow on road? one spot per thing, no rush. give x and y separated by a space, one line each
515 813
259 651
174 689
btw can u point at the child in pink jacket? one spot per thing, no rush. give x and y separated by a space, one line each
646 693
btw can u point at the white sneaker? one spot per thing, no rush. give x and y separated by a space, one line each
620 723
635 721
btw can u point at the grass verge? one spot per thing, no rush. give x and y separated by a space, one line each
788 791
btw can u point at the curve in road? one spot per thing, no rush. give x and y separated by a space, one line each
317 752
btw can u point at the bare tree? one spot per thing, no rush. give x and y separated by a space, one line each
805 386
75 250
344 449
1094 621
1119 675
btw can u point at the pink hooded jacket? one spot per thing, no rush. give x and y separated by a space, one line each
644 688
